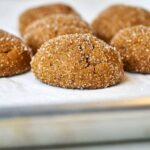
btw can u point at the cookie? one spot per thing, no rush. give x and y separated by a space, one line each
15 56
117 17
52 26
134 46
32 14
79 61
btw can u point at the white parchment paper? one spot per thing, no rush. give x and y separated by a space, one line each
26 90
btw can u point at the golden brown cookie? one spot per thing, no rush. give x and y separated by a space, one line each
52 26
15 56
117 17
77 61
134 46
36 13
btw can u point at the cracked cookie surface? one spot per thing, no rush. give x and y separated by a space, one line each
77 61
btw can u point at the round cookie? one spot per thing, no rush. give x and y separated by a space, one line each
39 12
52 26
117 17
15 56
77 61
134 46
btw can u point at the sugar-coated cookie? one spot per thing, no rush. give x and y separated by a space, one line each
78 61
15 56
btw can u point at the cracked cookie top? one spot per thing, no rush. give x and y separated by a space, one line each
78 61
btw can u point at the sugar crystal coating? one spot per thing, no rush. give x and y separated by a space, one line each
32 14
77 61
15 56
117 17
52 26
134 46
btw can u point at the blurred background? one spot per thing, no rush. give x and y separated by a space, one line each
87 8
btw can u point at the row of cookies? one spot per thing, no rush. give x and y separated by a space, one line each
67 51
72 58
128 29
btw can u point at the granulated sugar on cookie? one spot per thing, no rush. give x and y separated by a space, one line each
15 56
52 26
134 46
78 61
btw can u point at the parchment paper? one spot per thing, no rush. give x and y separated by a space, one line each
25 89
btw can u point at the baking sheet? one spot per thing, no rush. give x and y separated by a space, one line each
25 90
74 130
